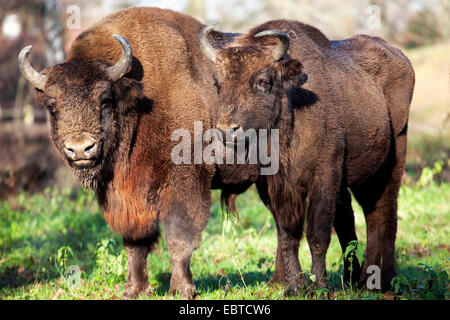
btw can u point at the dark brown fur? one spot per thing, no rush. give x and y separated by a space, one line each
341 108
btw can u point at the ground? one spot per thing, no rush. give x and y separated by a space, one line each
41 236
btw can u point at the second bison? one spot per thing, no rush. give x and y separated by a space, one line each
341 108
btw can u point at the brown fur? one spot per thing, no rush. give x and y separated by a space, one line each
168 87
341 108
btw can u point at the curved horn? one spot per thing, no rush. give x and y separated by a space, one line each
283 47
204 44
122 66
35 78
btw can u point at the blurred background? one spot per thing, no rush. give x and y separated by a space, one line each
421 27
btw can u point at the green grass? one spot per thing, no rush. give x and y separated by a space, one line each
42 235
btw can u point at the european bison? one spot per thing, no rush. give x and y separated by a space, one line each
341 108
113 106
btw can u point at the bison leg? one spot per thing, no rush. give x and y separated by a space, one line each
381 222
378 198
289 239
278 275
318 233
137 252
289 217
183 236
344 225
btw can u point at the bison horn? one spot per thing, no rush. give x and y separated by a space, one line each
283 47
36 79
204 44
122 66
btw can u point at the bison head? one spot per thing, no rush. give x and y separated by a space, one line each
84 100
253 80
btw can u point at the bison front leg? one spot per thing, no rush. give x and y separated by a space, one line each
318 233
278 275
182 238
289 217
289 239
137 252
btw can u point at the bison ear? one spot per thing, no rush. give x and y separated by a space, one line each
290 73
128 93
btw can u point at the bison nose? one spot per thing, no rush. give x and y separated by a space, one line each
228 127
80 147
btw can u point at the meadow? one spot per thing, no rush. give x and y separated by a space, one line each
42 235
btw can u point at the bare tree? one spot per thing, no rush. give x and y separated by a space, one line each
53 32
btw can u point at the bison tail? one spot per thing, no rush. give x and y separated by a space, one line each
228 203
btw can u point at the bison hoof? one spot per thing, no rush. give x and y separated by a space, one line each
295 287
314 288
276 279
132 291
186 292
291 291
322 284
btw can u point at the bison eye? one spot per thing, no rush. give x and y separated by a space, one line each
52 109
216 84
50 103
106 105
263 85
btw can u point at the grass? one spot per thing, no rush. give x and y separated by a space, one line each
44 235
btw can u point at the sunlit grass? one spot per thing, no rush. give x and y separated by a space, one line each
235 260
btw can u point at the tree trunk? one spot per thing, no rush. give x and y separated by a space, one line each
53 33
